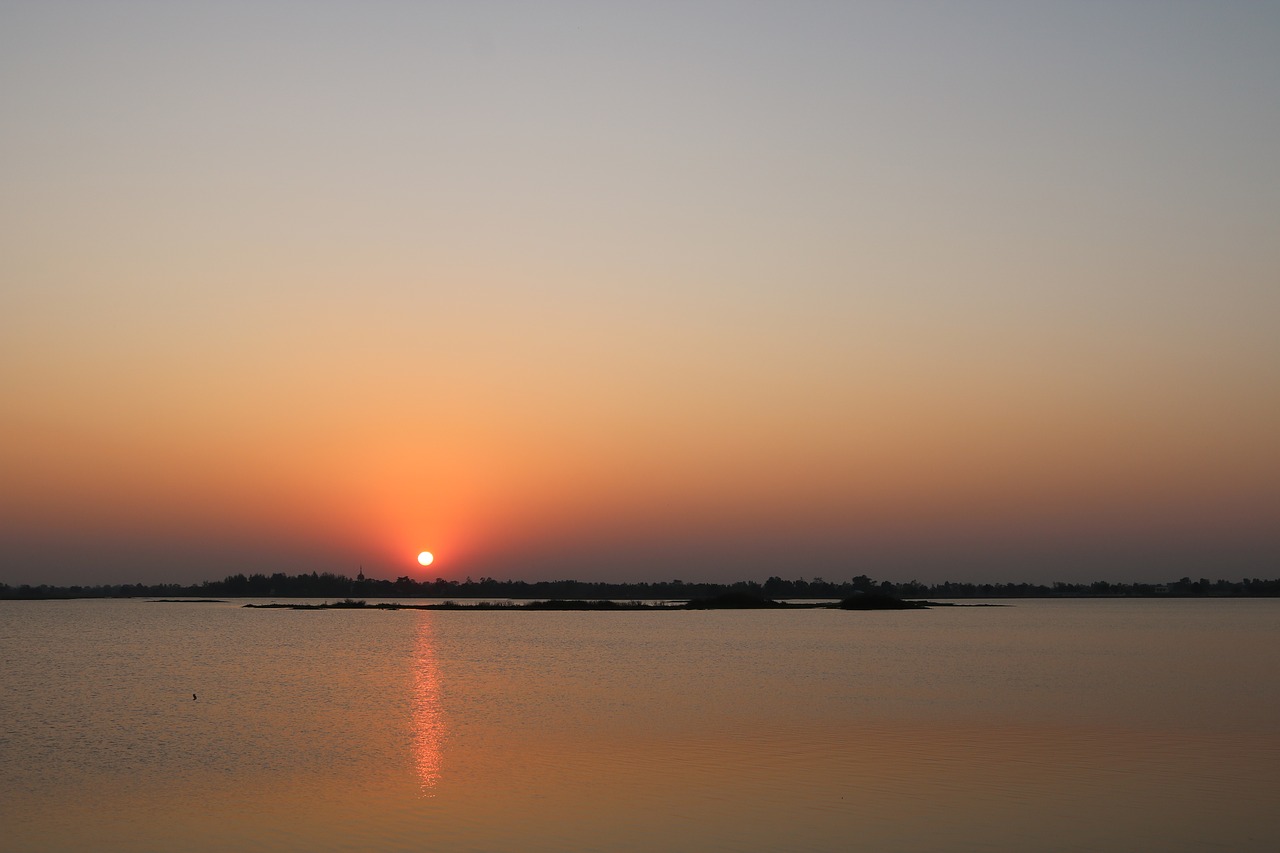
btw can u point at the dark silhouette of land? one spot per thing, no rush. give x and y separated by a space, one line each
329 585
349 604
881 601
733 600
188 601
727 601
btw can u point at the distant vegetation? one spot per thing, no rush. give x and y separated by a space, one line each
327 585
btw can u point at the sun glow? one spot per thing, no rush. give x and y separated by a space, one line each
425 558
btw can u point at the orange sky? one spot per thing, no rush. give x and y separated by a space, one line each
910 292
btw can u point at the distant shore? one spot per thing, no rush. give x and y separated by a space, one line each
326 585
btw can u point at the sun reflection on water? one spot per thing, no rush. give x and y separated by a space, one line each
428 719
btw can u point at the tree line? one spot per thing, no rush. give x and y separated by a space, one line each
330 585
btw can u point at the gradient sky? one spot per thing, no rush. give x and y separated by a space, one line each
711 291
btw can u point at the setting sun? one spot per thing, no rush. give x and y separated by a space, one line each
425 558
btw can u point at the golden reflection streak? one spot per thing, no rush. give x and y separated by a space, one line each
428 719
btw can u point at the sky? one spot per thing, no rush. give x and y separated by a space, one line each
970 291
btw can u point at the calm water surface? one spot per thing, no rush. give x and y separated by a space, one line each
1047 725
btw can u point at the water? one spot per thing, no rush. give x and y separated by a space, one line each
1049 725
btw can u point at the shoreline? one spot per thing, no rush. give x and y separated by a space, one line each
563 605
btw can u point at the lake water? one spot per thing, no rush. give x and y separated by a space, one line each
1106 725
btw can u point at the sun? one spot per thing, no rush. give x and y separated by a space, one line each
425 558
